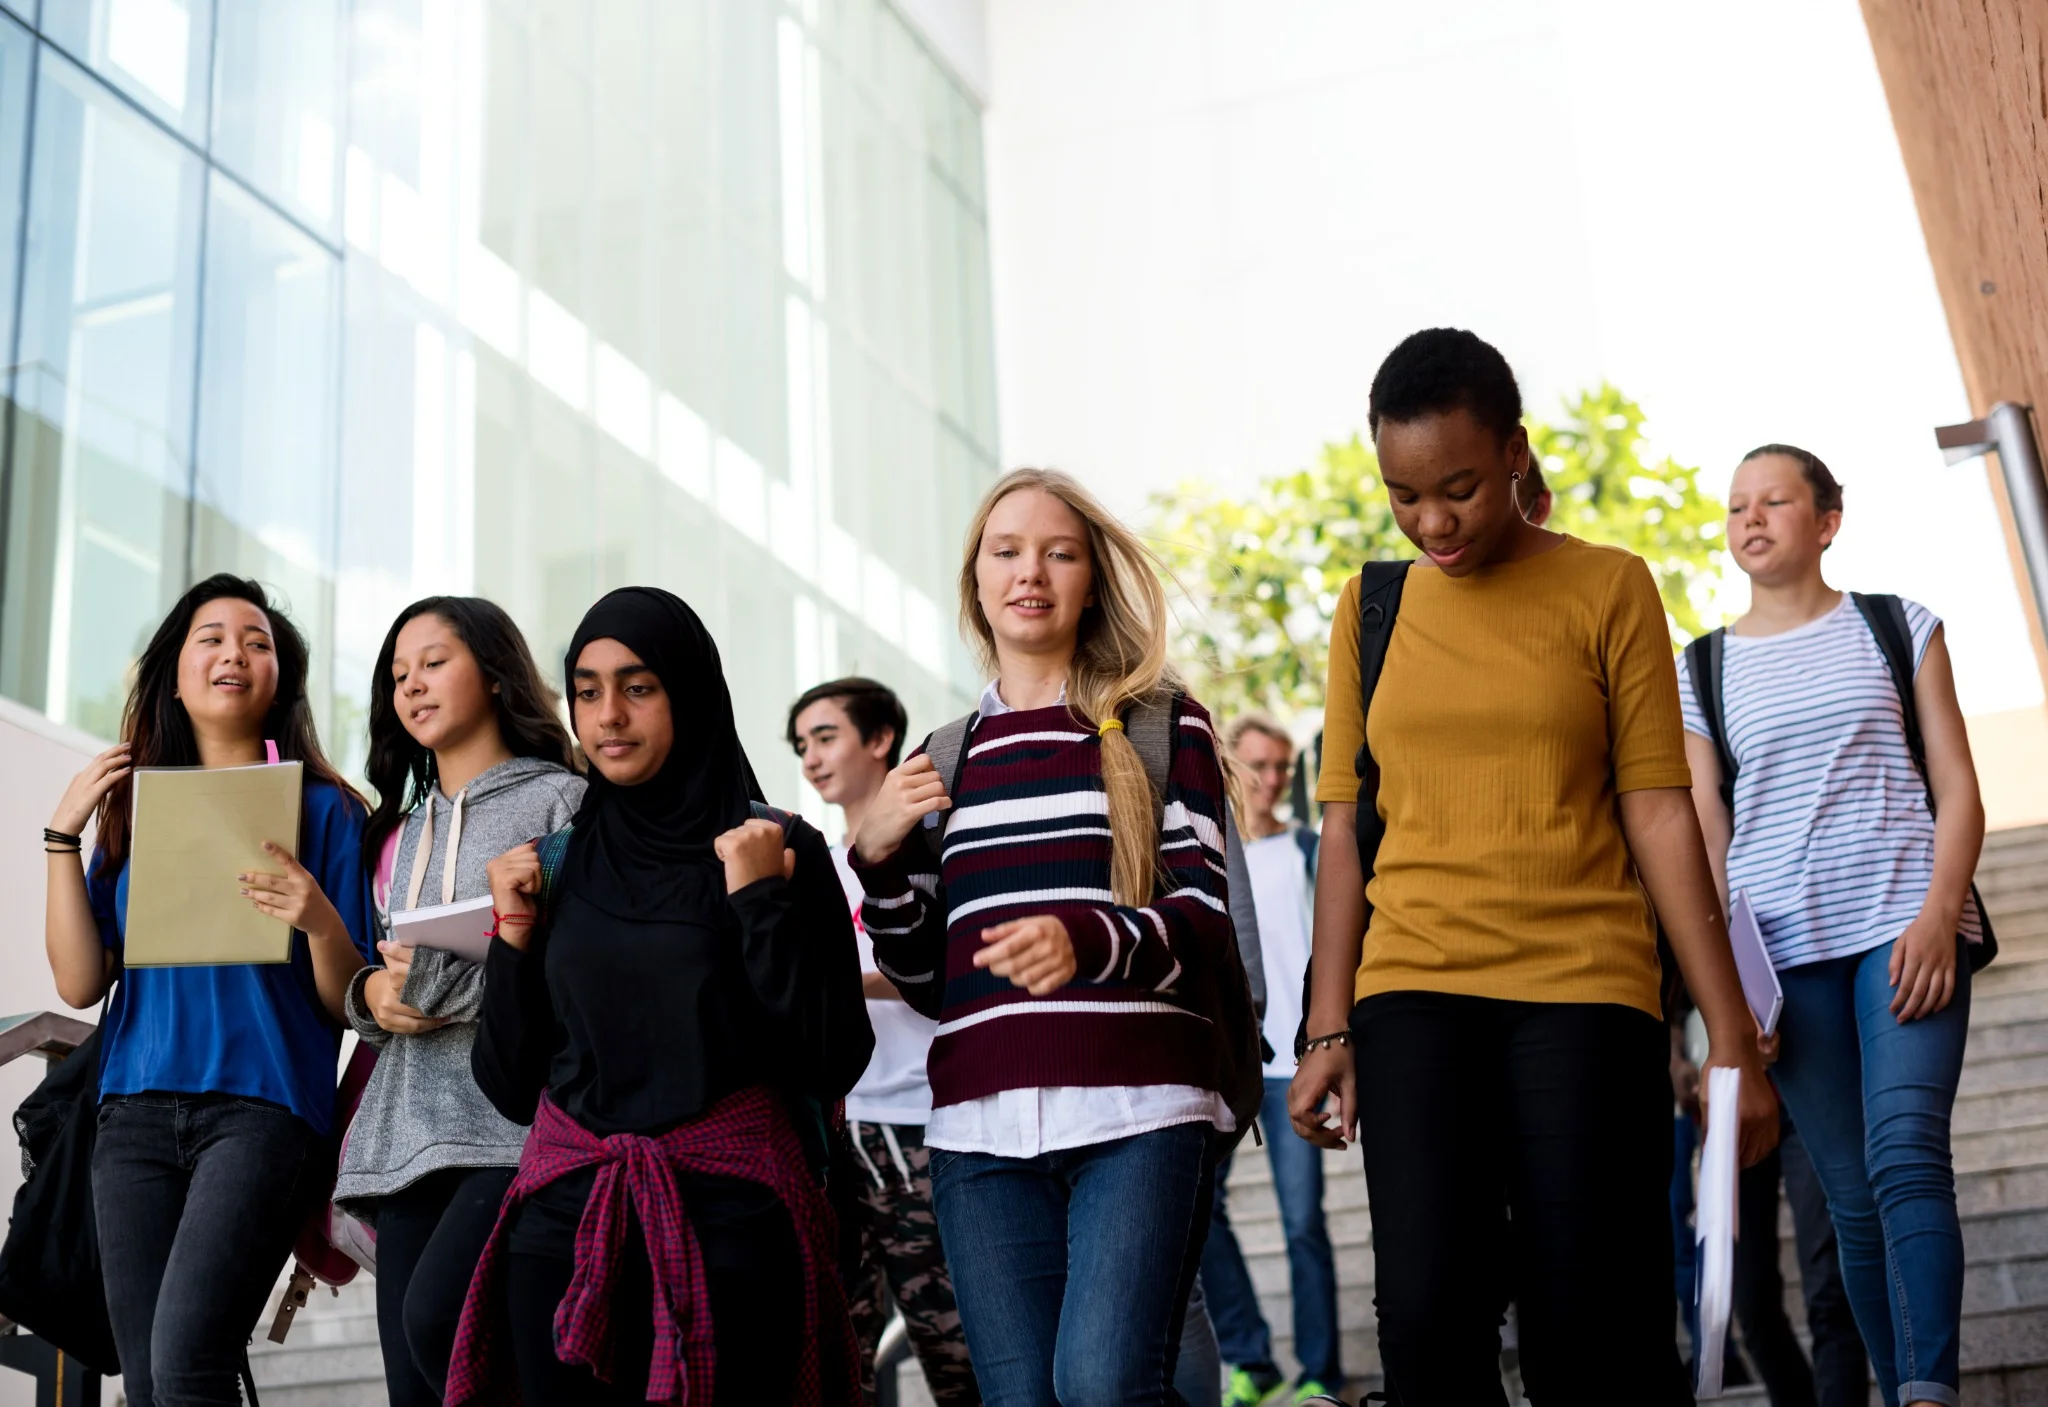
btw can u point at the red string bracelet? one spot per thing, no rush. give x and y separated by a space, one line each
498 922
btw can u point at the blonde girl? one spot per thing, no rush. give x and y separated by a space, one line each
1056 917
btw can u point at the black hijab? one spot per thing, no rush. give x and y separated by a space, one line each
644 852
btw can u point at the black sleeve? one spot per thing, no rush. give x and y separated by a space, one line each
804 967
516 1032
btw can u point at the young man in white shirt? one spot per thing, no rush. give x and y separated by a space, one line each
847 734
1281 857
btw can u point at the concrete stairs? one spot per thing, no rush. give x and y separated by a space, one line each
2001 1161
330 1358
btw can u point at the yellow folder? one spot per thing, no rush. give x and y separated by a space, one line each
196 830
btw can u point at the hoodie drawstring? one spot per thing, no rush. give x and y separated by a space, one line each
895 1155
423 854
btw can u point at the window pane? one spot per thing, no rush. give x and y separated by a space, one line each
266 492
277 89
156 51
17 52
102 452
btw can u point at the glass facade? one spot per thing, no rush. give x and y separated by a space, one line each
523 298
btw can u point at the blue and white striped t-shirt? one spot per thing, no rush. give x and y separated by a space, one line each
1834 842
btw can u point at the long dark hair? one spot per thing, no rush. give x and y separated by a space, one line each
401 770
159 730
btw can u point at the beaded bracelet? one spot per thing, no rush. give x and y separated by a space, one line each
1342 1038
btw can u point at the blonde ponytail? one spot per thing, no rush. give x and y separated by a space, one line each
1119 662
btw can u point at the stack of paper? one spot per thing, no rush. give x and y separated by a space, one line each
1714 1221
462 928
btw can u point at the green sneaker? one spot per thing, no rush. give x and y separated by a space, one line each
1310 1390
1249 1387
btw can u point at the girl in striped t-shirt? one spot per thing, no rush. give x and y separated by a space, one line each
1058 941
1862 891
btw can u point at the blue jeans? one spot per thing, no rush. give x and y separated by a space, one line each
1873 1100
1072 1268
197 1197
1241 1329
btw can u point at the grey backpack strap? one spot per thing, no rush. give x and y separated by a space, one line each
947 748
1149 726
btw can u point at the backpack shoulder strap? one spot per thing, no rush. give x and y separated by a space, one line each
1307 842
553 849
1703 659
1379 602
947 748
762 811
1886 617
1149 726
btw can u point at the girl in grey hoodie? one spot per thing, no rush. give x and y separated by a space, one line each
469 760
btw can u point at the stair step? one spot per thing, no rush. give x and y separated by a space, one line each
318 1363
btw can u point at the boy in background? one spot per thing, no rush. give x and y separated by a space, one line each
1281 857
847 735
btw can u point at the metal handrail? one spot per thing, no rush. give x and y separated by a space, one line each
44 1033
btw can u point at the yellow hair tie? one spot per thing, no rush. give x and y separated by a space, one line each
1107 724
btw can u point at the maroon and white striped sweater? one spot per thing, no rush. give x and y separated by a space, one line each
1028 835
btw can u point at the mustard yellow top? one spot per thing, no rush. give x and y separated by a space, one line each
1515 706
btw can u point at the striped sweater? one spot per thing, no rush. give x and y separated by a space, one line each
1029 835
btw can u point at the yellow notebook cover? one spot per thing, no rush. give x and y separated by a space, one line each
196 830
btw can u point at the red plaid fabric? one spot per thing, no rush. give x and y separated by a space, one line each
745 1135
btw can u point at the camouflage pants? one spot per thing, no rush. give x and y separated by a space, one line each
902 1265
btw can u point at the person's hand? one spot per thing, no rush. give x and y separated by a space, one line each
294 896
1756 1109
515 892
1036 954
1321 1074
83 796
1923 969
1767 1047
909 793
753 851
381 993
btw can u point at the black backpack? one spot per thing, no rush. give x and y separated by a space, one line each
1886 617
50 1266
1224 994
1379 602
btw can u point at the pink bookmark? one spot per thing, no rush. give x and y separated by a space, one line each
270 751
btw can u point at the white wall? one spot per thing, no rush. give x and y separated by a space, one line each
1212 219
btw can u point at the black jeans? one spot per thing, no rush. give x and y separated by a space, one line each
750 1264
430 1236
197 1198
1470 1109
1760 1289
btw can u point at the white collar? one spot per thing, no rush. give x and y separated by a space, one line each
992 705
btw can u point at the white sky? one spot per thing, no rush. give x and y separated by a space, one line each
1212 218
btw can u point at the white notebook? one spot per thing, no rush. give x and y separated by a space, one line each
1753 964
462 928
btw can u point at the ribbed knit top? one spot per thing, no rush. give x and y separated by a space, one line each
1028 834
1516 705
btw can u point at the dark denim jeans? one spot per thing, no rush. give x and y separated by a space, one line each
1241 1330
1873 1100
197 1197
1072 1268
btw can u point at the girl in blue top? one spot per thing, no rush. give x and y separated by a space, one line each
216 1083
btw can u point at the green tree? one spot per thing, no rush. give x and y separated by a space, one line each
1262 574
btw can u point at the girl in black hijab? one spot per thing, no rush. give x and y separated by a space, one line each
672 1000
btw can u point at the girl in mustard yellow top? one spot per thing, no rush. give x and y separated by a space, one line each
1485 1011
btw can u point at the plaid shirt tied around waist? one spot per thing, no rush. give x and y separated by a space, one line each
745 1135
